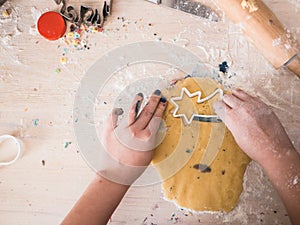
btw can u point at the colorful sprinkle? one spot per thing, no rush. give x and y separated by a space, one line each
188 150
36 122
223 67
70 34
57 70
67 143
6 13
76 35
63 60
203 168
174 219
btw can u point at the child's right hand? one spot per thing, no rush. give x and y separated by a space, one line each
255 127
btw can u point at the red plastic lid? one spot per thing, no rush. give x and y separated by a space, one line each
51 25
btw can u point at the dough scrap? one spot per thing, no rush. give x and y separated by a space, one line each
183 147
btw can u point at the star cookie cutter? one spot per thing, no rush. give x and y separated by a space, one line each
195 116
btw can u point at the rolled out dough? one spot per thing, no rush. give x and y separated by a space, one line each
183 147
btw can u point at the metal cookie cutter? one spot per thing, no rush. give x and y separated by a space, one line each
87 15
2 2
195 116
17 145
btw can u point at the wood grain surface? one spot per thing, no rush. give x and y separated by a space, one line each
33 89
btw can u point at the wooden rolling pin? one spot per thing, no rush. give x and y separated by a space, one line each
265 31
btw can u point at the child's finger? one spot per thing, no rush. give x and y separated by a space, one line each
160 108
155 121
147 112
135 108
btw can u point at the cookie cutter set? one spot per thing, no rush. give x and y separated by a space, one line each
87 15
2 2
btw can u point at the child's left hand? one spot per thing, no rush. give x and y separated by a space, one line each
132 143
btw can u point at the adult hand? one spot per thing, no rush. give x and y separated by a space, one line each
255 127
258 132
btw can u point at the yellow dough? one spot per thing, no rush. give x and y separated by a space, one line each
183 147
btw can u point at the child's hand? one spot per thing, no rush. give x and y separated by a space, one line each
255 127
131 142
103 195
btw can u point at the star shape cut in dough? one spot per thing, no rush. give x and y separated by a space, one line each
209 118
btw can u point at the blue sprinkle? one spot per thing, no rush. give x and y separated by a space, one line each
36 122
188 150
223 67
67 144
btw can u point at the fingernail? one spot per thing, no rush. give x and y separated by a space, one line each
157 92
118 111
141 95
137 106
163 100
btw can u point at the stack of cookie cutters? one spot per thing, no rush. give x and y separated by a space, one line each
2 2
87 15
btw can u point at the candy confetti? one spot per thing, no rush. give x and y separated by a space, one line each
63 60
57 70
36 122
77 38
67 144
6 13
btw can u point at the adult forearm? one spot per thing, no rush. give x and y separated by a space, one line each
97 204
284 173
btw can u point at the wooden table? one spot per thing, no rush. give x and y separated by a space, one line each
36 105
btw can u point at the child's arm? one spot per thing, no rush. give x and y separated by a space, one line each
97 203
260 134
102 196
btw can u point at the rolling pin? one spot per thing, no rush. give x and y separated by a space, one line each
265 31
